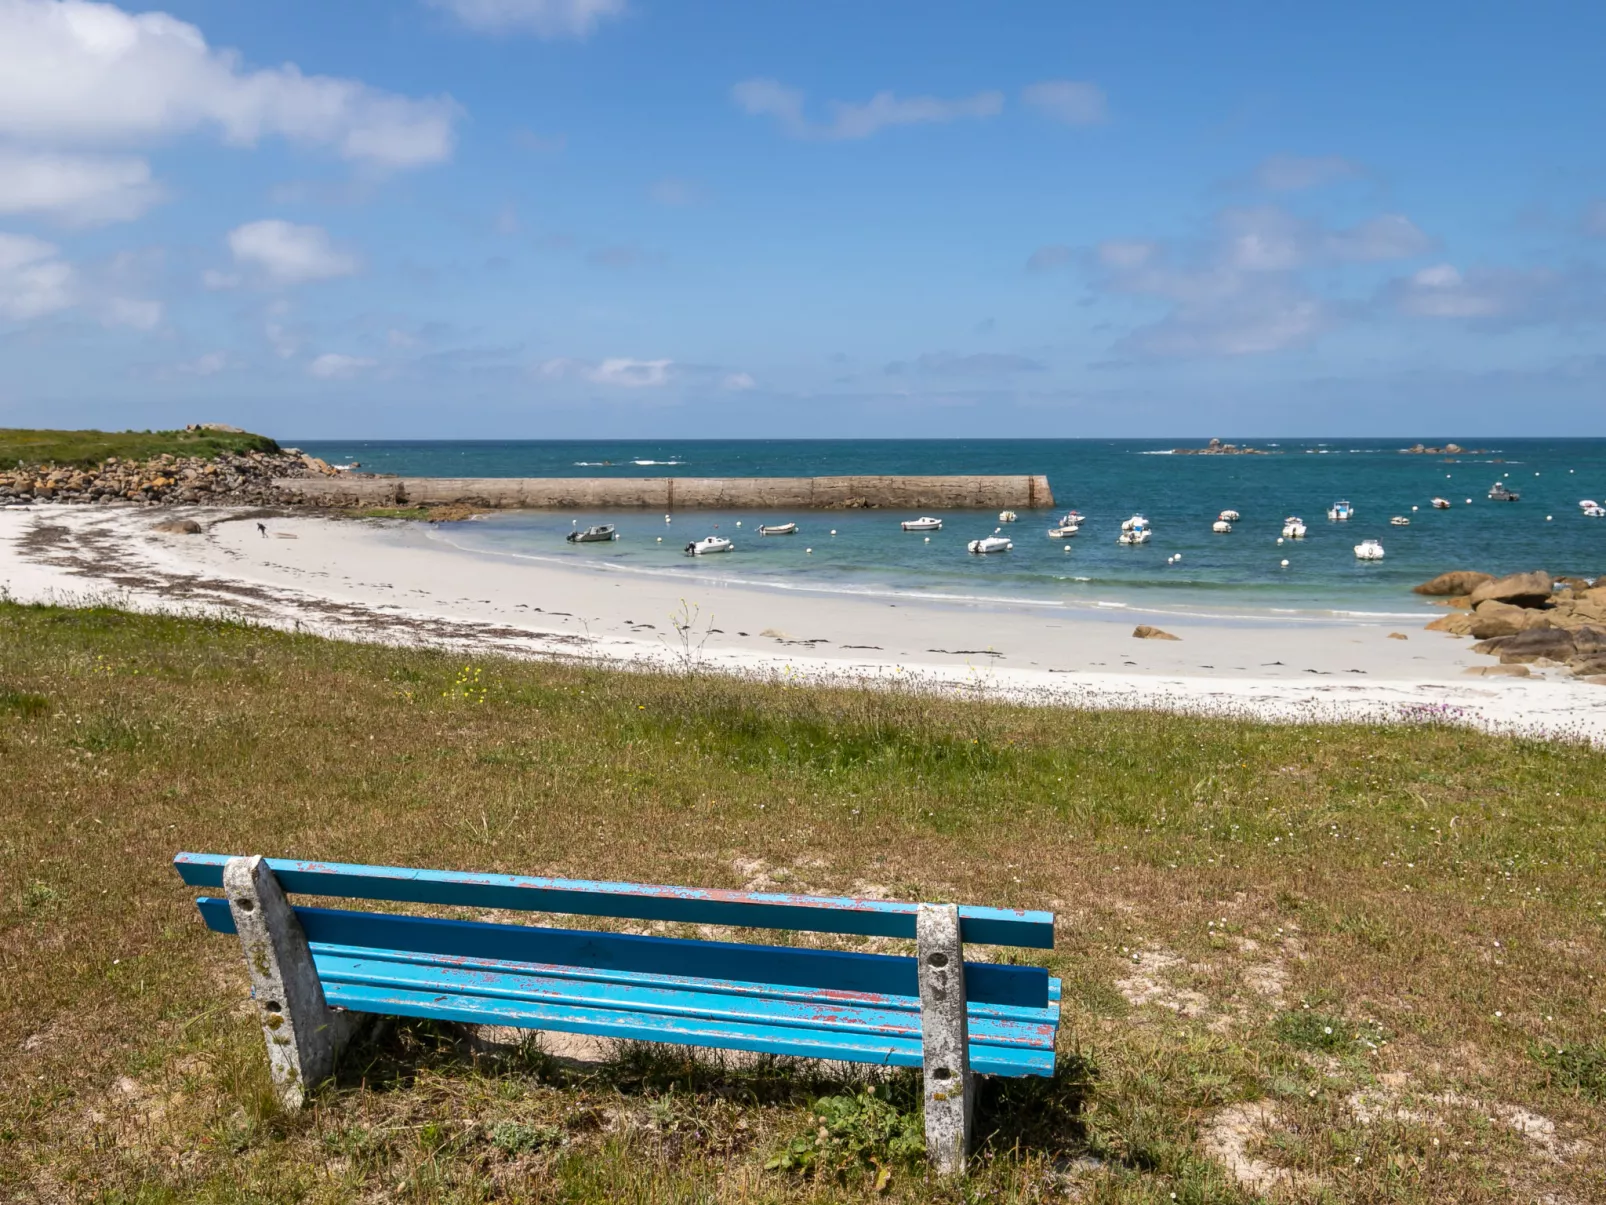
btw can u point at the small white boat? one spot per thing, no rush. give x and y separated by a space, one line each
1441 504
1064 531
1594 512
1369 550
924 523
1221 527
1006 516
1293 528
707 545
1340 511
1134 531
1586 504
1229 516
1499 493
1400 521
777 529
593 535
992 543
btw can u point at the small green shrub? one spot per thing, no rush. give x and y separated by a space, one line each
1580 1068
24 704
1309 1029
517 1138
855 1133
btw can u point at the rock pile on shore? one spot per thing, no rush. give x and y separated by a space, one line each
1447 450
224 480
1528 618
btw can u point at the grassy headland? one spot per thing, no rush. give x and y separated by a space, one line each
1346 963
85 449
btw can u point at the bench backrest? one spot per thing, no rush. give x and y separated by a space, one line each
634 901
811 970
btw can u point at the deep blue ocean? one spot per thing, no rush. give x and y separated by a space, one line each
1107 480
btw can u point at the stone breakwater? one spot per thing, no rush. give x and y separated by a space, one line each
247 479
673 493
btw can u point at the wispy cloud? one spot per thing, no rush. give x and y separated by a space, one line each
333 366
621 371
290 254
1295 173
1074 102
770 98
543 18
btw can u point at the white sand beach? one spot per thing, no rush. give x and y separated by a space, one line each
391 581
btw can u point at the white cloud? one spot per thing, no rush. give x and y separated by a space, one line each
770 98
620 371
78 73
738 381
1388 236
137 313
290 254
207 365
1294 173
33 281
332 366
1074 102
78 190
1442 292
544 18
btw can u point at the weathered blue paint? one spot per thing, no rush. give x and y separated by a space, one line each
580 897
778 999
847 1045
815 970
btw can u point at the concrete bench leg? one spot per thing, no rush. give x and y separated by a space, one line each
304 1035
945 1033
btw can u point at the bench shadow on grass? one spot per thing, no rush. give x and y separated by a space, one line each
1020 1117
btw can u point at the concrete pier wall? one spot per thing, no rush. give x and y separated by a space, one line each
674 493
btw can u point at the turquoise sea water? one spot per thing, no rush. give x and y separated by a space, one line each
1107 480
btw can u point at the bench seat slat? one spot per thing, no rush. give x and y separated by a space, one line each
846 1045
692 1004
1048 1015
817 970
777 910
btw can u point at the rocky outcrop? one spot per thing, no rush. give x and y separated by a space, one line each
1454 583
179 527
1520 589
1529 619
1144 632
1216 448
246 479
1447 450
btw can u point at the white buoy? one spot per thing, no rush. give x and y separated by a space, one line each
660 539
1279 539
833 531
1547 517
1413 508
1285 564
738 523
666 518
1469 501
1179 556
1067 548
928 539
810 551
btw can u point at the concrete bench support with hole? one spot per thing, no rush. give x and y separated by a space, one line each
317 973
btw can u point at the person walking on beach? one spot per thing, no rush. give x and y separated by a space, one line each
263 528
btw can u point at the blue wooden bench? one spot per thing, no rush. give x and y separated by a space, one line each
317 973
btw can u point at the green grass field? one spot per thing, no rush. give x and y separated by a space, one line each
85 449
1347 964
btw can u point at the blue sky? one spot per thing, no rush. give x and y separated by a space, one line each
571 218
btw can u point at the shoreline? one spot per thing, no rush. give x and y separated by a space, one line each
389 581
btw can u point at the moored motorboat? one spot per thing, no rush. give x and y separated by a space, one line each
924 523
1499 493
1221 527
1006 516
1441 504
992 543
1400 521
593 535
1229 516
707 545
777 529
1063 531
1134 531
1589 504
1340 511
1293 528
1369 550
1594 512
